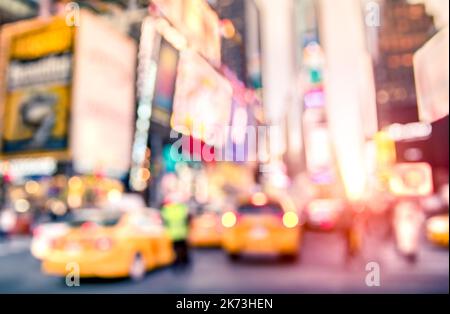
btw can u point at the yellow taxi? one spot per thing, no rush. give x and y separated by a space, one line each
437 230
110 244
205 230
261 225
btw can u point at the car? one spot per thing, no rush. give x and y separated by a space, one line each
334 215
111 244
43 236
261 225
13 223
437 230
205 230
325 214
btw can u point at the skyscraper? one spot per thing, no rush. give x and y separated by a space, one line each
233 47
404 28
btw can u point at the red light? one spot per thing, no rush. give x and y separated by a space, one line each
37 232
88 225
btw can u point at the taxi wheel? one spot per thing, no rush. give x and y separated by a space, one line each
137 268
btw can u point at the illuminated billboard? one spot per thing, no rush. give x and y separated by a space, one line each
36 72
165 83
202 100
411 179
318 146
103 98
197 22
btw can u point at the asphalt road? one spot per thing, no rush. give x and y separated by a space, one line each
321 269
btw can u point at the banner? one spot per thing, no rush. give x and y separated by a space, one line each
36 72
197 22
103 99
202 104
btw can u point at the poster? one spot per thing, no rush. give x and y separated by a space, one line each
36 71
203 97
103 100
198 23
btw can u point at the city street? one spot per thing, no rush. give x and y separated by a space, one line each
321 269
224 147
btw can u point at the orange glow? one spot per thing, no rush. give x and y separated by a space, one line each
74 201
145 174
259 199
75 183
228 30
32 187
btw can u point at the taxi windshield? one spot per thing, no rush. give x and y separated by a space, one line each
269 208
98 218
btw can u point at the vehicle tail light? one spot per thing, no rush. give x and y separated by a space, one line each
290 219
104 244
229 219
88 225
37 232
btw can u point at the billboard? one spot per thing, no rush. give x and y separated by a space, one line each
197 22
36 71
411 179
202 102
318 146
165 83
103 98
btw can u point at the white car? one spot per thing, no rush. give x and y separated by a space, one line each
43 236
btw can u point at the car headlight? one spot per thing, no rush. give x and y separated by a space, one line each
290 219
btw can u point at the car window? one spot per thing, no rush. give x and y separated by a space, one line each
105 220
145 220
270 208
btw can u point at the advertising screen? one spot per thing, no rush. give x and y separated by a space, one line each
197 22
202 100
103 98
36 73
319 154
165 83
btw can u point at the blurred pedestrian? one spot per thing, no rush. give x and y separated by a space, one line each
176 219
